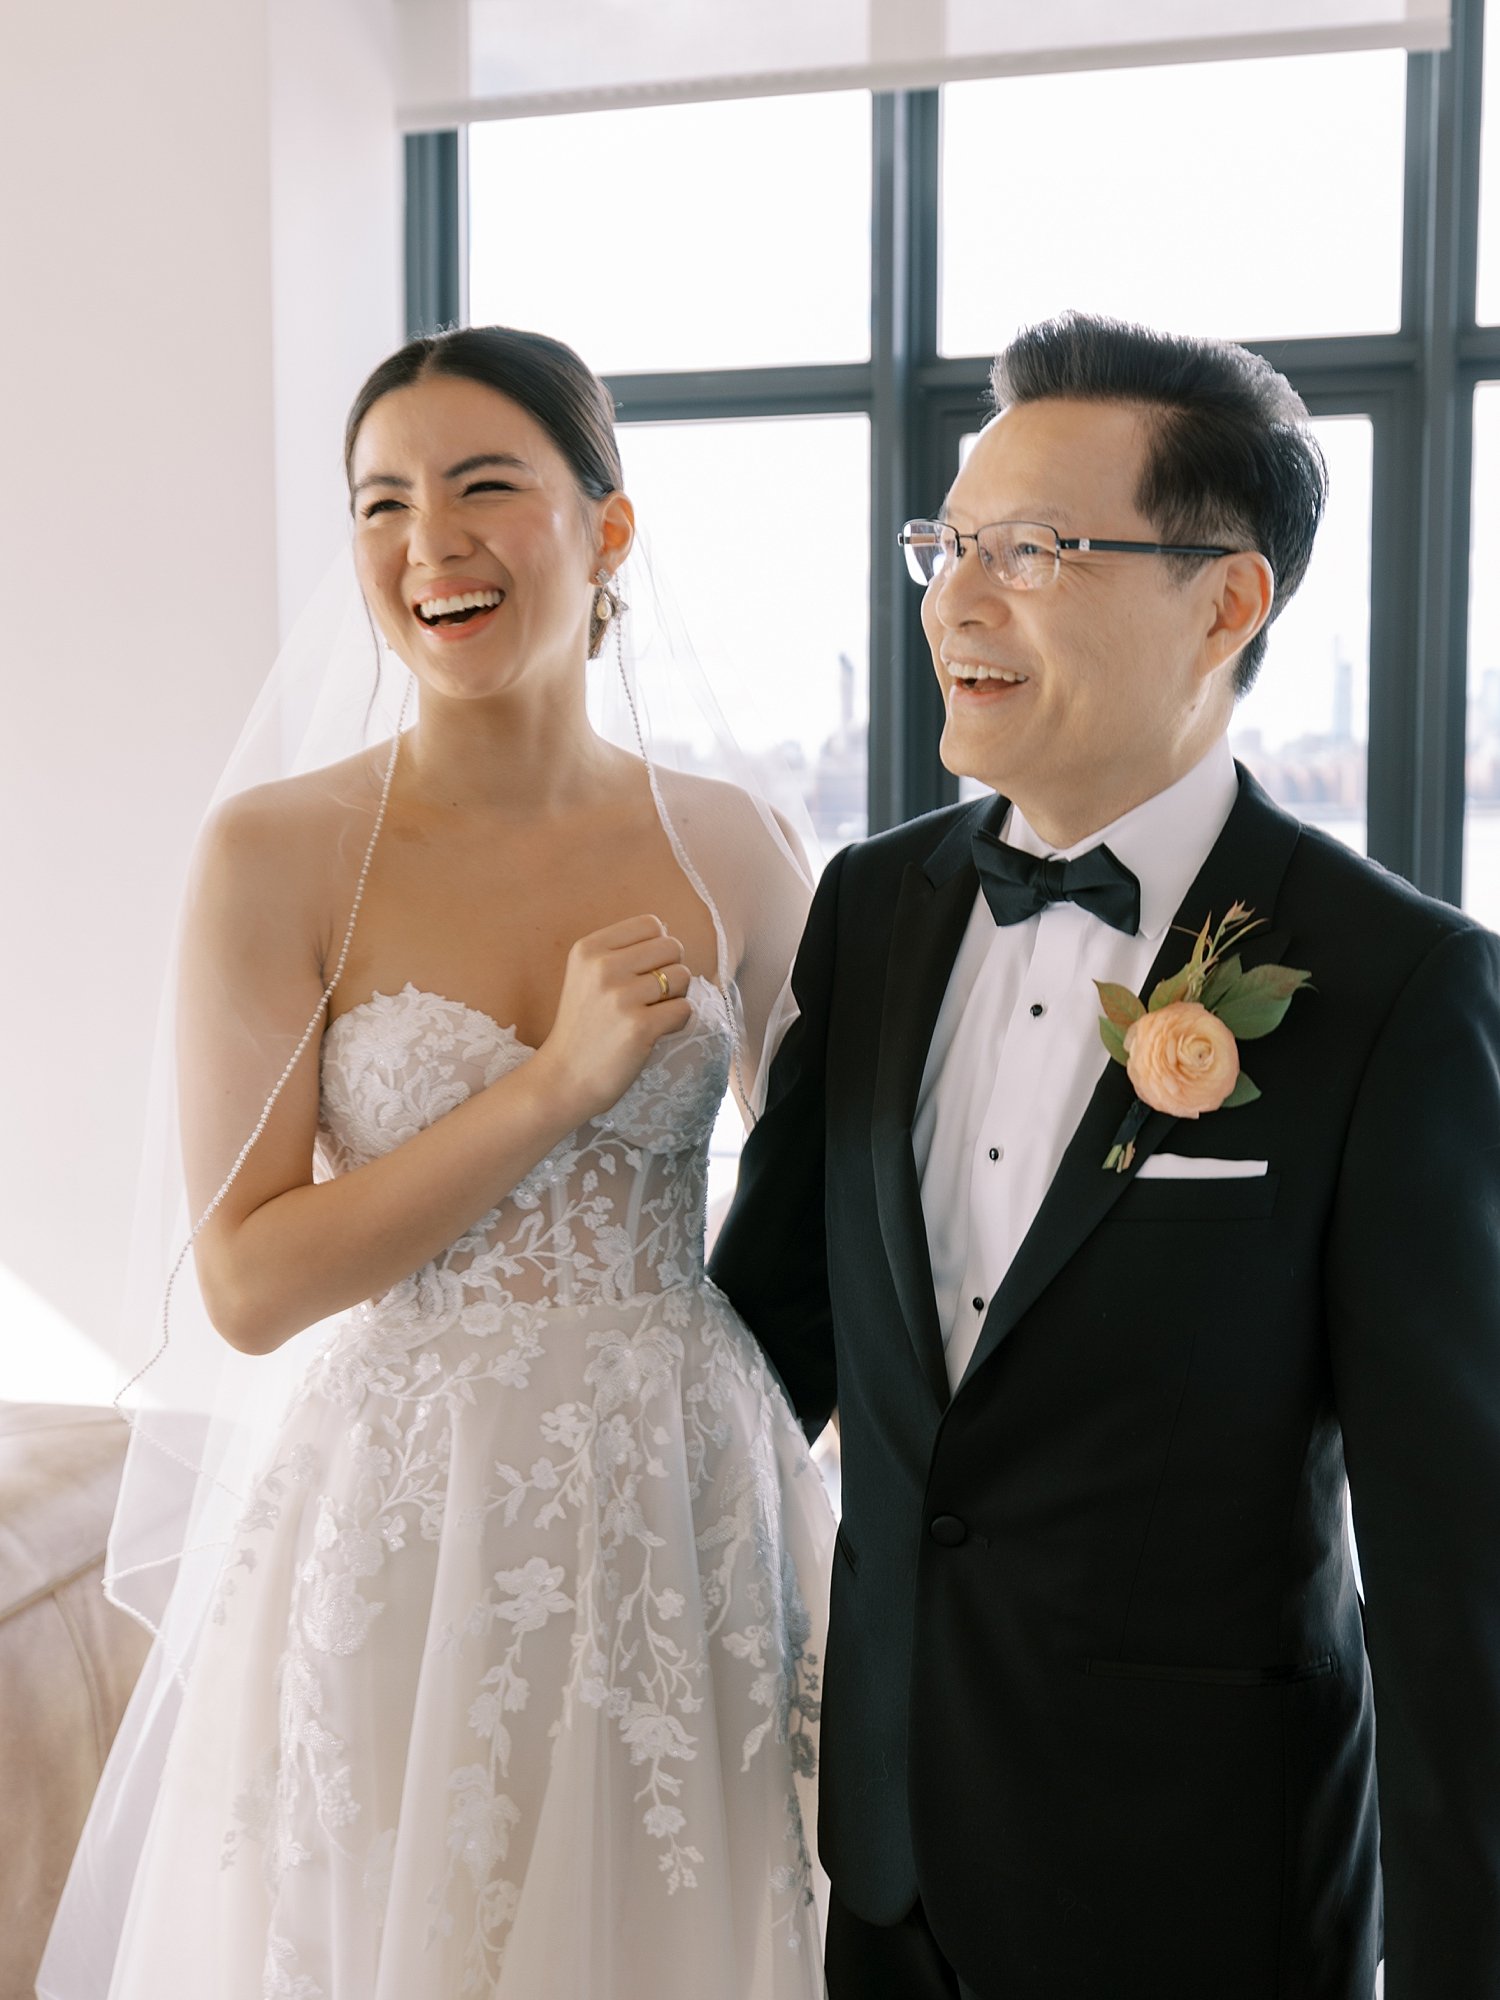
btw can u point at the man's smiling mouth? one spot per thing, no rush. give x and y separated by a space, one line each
975 676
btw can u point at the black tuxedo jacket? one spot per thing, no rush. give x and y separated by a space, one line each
1097 1686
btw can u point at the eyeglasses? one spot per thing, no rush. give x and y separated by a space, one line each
1018 555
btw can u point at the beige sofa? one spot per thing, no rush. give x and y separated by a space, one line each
68 1658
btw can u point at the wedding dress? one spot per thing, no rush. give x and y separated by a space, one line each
510 1684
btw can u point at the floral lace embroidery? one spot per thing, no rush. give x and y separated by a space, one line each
281 1979
613 1218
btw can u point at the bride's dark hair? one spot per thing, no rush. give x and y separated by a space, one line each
545 377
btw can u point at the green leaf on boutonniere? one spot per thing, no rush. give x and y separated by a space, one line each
1113 1039
1120 1005
1244 1092
1258 1001
1249 1018
1219 982
1281 981
1174 988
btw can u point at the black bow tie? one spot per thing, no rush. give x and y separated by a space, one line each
1018 885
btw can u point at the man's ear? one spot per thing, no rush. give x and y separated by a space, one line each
1244 596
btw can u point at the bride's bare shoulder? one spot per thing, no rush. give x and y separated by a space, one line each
292 835
718 807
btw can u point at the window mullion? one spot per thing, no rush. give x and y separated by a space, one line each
435 232
1443 249
906 776
809 389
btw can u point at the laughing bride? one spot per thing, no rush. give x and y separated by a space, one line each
509 1683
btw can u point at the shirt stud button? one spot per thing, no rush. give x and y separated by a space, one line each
997 1152
1037 1010
978 1305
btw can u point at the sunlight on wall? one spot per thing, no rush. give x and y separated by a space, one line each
43 1356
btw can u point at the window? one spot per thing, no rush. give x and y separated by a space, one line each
847 264
1155 204
676 237
1303 728
782 625
744 246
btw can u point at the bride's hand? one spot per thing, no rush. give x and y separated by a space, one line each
624 989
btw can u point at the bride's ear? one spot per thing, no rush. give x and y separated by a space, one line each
616 531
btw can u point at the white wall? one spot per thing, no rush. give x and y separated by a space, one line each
199 230
336 194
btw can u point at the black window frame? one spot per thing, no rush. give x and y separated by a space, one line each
1416 386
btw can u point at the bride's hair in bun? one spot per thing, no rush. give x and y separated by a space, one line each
545 377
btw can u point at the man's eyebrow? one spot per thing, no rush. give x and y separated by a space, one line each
1046 513
506 458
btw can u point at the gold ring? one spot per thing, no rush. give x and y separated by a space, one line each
661 980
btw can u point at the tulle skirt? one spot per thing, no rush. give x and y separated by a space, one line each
510 1687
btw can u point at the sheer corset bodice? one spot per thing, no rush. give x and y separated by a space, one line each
614 1212
509 1685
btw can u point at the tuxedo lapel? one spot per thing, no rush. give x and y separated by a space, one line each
1246 864
932 912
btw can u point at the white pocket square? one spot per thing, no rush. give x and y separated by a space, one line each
1178 1167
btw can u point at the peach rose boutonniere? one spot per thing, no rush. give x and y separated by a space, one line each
1181 1049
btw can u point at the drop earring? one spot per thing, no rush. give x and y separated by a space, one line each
607 604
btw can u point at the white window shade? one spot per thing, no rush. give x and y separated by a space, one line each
464 60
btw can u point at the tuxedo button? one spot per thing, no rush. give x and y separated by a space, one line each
948 1531
997 1152
1037 1010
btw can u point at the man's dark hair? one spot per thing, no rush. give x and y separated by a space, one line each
1231 456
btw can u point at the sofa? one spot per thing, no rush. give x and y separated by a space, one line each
68 1658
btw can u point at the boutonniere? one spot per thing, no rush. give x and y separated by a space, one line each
1181 1049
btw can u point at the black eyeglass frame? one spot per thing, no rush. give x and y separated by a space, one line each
1085 544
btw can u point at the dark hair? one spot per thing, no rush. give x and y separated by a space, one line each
1231 456
543 376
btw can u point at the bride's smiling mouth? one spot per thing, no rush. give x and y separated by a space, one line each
456 612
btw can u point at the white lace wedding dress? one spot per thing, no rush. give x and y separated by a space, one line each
510 1688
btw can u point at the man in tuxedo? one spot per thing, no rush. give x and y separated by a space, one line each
1103 1719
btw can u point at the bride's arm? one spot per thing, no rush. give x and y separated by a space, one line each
771 1258
282 1252
749 858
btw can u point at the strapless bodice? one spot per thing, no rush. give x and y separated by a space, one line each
616 1210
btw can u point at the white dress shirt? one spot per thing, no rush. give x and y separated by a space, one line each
1016 1052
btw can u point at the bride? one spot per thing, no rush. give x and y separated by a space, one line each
510 1677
